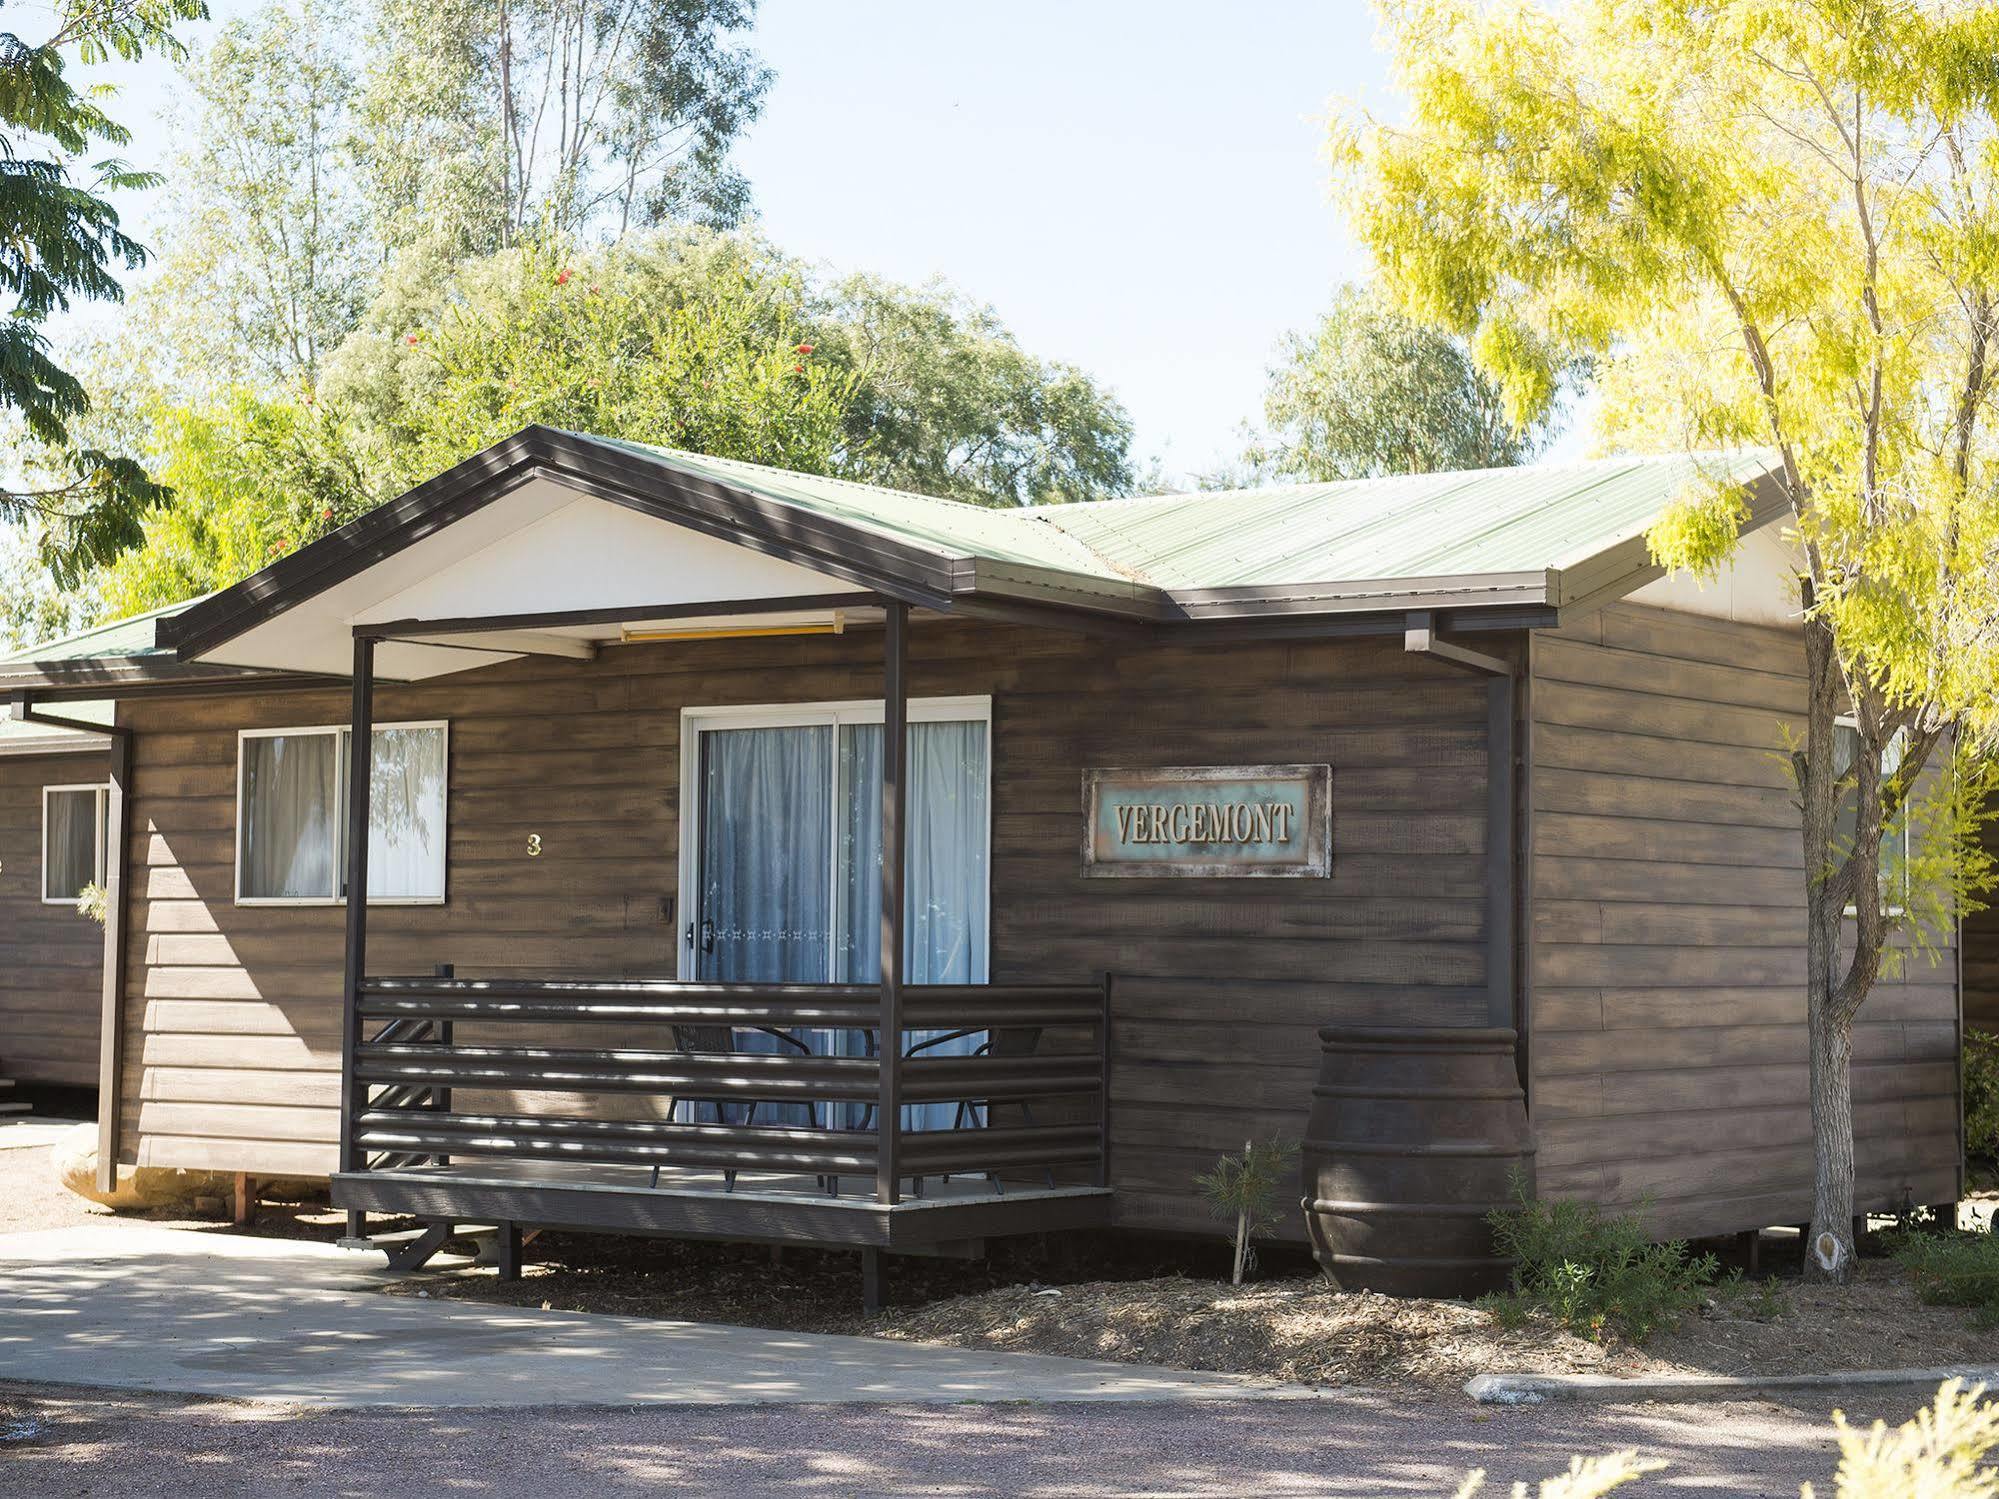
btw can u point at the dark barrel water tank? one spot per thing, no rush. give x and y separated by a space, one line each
1414 1137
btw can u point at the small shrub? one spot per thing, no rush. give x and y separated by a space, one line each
1981 1097
1595 1273
1955 1269
1242 1192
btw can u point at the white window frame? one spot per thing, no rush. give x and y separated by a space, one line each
1891 911
340 817
101 874
696 721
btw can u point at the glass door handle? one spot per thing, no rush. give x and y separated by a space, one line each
707 935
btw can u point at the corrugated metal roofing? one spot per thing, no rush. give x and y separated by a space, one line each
127 637
1504 520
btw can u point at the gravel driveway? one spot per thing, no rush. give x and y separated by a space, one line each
67 1443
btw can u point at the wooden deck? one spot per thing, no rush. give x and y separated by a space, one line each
952 1216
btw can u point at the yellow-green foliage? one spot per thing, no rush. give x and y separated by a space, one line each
1587 1478
1761 223
1940 1454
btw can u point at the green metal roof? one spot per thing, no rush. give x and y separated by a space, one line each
1486 521
121 638
1505 520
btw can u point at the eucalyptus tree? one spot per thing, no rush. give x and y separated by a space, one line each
1369 391
1775 224
486 121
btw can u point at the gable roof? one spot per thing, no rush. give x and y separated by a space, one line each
1473 543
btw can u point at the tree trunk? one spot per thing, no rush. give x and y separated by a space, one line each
1830 1253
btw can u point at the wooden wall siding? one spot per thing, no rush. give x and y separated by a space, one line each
1667 953
232 1055
1981 956
51 959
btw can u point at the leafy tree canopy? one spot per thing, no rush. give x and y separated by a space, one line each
1370 391
1766 223
60 242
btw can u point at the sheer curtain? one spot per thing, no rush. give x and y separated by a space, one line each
69 844
290 800
944 938
766 902
406 815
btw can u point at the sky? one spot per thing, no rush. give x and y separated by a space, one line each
1137 188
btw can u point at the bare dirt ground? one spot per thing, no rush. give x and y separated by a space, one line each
72 1443
1137 1303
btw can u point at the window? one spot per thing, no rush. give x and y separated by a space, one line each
1846 818
73 850
291 815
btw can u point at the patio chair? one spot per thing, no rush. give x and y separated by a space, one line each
690 1039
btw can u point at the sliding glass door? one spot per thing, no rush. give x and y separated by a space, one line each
785 864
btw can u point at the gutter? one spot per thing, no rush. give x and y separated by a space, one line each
117 876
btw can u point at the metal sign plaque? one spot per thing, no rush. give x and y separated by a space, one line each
1209 822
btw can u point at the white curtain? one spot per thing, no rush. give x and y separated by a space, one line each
406 815
766 904
290 816
69 845
945 935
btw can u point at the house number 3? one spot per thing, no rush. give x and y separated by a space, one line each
534 845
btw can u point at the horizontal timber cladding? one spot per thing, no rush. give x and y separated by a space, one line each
1667 962
51 958
1220 984
1981 955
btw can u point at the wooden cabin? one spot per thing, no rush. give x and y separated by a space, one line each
1181 781
52 846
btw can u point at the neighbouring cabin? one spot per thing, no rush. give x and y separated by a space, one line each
1981 955
653 742
52 845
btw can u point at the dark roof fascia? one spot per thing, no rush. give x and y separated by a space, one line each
1457 591
120 677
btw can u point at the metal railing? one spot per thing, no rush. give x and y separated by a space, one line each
1031 1100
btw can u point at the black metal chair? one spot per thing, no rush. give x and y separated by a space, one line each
1006 1041
689 1039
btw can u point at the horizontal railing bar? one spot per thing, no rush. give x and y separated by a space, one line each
960 1012
562 1139
748 1076
701 992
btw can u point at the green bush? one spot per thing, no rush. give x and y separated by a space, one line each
1981 1096
1955 1269
1596 1273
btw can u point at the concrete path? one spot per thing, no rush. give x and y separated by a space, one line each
294 1323
28 1131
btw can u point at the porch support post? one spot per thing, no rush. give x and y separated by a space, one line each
111 1003
360 775
895 808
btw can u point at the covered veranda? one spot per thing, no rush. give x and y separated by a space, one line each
913 1117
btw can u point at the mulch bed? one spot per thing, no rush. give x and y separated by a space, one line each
1138 1302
